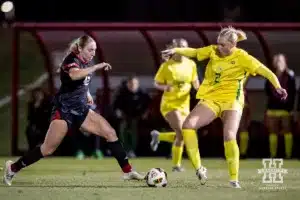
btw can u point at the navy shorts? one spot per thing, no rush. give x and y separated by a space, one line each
73 118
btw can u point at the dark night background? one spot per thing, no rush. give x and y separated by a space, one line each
158 10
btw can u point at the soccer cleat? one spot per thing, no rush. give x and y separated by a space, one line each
8 174
133 175
234 184
178 169
155 140
201 173
80 155
98 154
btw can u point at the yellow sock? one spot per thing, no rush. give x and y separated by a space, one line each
288 143
177 155
191 145
167 136
244 139
232 155
273 140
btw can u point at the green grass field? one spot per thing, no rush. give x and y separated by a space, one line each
67 178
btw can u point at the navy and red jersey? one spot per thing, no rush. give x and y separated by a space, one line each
287 81
72 94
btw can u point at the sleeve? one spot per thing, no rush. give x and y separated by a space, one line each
201 53
251 64
204 52
117 103
160 76
145 101
69 64
195 73
291 92
268 74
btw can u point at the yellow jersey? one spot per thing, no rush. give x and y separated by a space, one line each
179 75
224 76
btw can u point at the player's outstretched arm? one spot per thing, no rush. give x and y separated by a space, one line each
268 74
77 74
188 52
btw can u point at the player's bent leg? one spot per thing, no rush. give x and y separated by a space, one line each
96 124
157 137
56 132
200 116
231 120
175 120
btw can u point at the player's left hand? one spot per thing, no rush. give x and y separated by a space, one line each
282 93
104 65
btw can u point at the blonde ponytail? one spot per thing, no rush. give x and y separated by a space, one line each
74 46
241 35
232 35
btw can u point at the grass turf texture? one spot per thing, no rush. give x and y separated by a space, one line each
66 178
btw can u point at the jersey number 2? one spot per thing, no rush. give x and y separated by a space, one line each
217 78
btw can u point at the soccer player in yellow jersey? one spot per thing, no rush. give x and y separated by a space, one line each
221 95
175 78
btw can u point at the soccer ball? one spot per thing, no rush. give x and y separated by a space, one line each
156 177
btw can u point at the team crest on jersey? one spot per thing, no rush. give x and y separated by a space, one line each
87 80
219 69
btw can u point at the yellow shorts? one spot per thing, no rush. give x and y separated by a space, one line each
219 106
184 108
278 113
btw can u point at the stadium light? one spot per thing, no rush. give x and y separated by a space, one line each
7 6
8 9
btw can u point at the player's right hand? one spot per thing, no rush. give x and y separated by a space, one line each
282 93
167 52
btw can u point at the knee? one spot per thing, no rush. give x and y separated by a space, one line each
178 140
110 135
229 135
188 124
47 151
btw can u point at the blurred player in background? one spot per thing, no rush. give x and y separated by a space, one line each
71 111
130 106
175 78
278 115
221 94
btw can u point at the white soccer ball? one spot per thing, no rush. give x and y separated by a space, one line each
156 177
